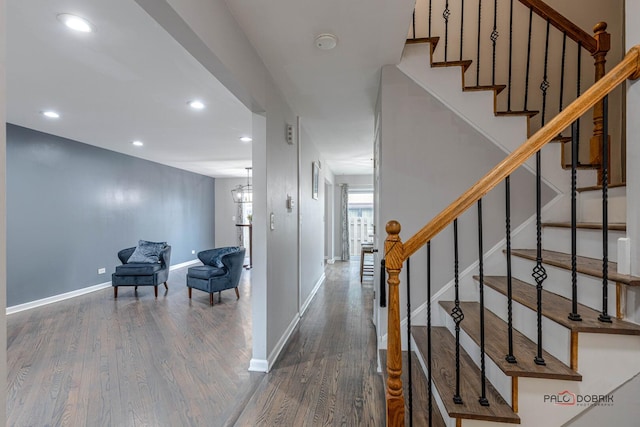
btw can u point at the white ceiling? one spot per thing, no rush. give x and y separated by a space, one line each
130 80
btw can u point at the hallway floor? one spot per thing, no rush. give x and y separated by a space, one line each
137 361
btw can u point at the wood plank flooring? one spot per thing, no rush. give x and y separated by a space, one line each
138 361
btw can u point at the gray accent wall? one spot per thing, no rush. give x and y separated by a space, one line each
72 206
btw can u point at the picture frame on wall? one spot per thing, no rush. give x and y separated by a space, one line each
314 180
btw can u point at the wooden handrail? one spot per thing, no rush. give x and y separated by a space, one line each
629 67
563 24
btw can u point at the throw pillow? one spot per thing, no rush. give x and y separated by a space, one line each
147 252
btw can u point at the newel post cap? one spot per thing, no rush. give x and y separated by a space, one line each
393 227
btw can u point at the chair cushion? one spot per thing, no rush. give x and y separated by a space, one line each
137 269
147 252
206 272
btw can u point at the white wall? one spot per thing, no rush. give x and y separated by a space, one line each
312 212
208 30
3 222
428 157
226 212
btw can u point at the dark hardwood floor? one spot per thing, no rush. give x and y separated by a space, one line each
137 361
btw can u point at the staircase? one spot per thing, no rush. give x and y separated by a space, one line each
518 353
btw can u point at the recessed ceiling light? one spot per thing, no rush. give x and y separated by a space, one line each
196 105
51 114
137 143
326 41
246 139
75 23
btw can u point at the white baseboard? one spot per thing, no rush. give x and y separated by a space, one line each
271 360
78 292
305 305
258 365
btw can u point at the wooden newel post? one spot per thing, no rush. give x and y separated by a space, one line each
603 44
394 258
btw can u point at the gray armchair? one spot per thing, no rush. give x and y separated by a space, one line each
221 270
136 274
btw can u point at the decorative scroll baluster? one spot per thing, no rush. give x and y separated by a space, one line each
578 93
604 316
457 313
526 80
494 38
478 47
410 382
575 136
510 55
539 272
461 31
430 378
483 378
545 82
509 357
445 14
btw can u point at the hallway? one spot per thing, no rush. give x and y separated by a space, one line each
92 360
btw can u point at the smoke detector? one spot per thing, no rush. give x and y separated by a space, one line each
326 41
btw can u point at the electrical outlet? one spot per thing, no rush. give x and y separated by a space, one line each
102 270
193 252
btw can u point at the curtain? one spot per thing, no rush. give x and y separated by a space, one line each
344 220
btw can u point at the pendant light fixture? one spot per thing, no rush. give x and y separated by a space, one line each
243 193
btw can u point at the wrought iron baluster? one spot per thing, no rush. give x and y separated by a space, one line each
445 14
494 38
478 46
604 315
575 135
429 379
457 313
510 55
509 357
578 93
461 27
430 13
545 82
383 281
410 382
564 52
483 379
526 80
413 23
539 272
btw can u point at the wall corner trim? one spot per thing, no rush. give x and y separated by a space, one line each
258 365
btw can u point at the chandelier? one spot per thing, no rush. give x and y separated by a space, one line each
243 193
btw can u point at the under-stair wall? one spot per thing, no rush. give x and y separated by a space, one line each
429 155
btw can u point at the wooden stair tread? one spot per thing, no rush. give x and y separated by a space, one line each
588 266
443 365
557 308
599 187
617 226
562 139
420 387
497 347
496 88
418 40
464 64
529 113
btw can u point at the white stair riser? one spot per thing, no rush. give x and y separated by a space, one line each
559 282
590 205
589 242
556 339
496 377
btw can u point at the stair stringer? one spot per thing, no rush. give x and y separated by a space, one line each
476 108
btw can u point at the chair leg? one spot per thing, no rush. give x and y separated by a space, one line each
155 288
115 292
211 299
189 292
165 286
237 293
219 296
135 289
